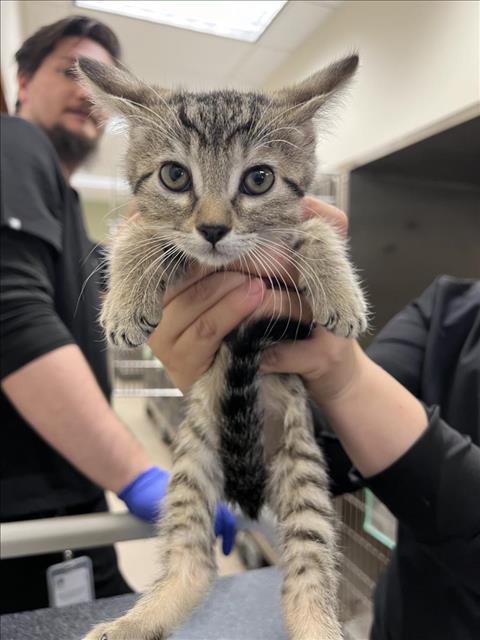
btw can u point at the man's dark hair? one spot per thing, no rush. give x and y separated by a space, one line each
39 45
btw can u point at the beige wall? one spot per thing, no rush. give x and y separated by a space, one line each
100 219
419 65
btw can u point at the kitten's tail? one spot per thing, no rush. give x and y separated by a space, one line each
241 433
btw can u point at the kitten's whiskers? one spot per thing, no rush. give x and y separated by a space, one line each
98 268
290 278
172 251
273 318
300 263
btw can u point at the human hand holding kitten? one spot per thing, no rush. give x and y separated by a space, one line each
199 314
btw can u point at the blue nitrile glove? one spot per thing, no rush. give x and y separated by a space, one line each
144 494
225 526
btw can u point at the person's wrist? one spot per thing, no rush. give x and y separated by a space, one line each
178 379
143 496
132 468
341 379
141 478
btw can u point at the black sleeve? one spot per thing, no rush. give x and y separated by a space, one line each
399 348
30 326
32 185
434 490
342 475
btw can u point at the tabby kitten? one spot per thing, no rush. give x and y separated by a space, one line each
219 177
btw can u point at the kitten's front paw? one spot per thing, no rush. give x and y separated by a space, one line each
125 629
126 325
349 317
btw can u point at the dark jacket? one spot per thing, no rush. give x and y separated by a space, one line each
431 589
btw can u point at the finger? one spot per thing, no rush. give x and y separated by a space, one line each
337 218
190 354
195 273
228 540
133 212
208 329
275 266
283 358
131 218
191 303
197 346
283 304
302 356
225 526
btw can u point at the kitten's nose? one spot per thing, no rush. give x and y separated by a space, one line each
213 232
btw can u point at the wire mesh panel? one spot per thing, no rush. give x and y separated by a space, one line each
364 558
136 373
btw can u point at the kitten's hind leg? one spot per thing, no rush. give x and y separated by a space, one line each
298 494
187 560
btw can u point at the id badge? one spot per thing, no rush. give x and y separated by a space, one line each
70 582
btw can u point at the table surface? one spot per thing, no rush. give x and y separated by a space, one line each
241 607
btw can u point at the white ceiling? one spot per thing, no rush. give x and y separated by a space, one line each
178 57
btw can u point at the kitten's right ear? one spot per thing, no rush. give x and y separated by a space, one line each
115 90
305 99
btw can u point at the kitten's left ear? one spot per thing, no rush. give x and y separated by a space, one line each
306 98
115 90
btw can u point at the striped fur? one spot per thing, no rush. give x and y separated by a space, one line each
246 438
241 418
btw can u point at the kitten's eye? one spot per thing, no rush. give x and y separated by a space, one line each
175 177
257 181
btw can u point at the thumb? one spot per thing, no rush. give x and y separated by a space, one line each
282 358
225 526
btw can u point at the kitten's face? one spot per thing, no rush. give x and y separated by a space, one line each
219 175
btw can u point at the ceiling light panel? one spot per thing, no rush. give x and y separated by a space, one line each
239 20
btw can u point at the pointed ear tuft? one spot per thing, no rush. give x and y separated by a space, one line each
114 89
307 97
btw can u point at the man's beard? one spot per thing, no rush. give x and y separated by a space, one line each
73 150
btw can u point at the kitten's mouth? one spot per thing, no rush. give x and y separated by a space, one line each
274 279
272 267
218 257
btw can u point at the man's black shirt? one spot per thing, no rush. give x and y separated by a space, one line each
47 301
